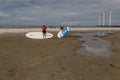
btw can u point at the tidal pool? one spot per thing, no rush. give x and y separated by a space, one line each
94 46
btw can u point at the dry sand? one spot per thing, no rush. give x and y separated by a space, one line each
54 59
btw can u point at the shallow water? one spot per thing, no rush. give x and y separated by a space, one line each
94 46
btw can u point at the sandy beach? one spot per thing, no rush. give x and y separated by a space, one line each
54 59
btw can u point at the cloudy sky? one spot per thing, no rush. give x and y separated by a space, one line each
57 12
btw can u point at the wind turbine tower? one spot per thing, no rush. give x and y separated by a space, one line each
110 21
103 18
99 23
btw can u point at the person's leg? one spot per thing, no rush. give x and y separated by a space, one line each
43 34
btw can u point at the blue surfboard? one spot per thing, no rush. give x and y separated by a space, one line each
63 32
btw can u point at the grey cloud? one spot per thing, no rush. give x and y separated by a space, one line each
59 11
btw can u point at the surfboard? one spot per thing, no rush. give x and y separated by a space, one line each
63 32
38 35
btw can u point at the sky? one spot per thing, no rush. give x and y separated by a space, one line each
58 12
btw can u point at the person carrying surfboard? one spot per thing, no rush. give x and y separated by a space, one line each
44 31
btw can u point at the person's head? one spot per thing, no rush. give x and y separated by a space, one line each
44 25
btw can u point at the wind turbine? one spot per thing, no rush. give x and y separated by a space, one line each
110 20
103 15
99 23
103 18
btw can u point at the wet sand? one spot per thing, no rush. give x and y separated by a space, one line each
54 59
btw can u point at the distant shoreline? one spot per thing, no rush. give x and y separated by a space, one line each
22 30
55 26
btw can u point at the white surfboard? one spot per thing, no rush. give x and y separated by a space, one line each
63 32
38 35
